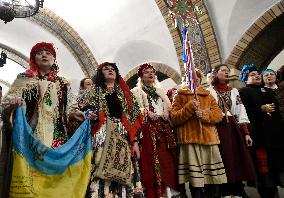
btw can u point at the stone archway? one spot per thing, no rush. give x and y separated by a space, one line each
262 41
15 55
4 82
163 72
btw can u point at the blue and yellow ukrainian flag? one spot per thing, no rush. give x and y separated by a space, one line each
39 171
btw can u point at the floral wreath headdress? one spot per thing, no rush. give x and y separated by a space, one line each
143 67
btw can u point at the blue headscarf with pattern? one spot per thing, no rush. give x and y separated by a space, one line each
268 70
247 68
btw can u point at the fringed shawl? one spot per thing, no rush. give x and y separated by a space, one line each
94 100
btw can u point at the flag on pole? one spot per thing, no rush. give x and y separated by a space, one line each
188 60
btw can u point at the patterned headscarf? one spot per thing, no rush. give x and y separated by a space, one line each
267 70
33 71
246 70
143 67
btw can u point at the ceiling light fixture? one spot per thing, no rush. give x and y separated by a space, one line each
10 9
3 59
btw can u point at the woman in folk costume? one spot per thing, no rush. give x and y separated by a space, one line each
116 122
268 145
47 98
195 116
273 123
233 133
158 156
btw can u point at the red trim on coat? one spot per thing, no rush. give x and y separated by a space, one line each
132 130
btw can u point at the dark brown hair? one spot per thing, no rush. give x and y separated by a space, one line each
215 70
99 78
82 82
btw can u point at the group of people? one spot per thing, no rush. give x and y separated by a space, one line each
214 139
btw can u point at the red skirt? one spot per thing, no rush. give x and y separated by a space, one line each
167 159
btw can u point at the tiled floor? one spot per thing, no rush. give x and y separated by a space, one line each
252 192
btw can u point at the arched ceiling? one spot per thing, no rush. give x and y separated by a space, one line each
266 46
110 26
129 32
231 19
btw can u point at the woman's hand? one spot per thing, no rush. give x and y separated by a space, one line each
92 115
77 115
136 150
248 140
199 113
268 108
196 104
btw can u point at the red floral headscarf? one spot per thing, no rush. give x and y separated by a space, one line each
143 67
33 71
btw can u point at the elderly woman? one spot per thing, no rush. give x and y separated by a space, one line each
269 78
233 133
273 123
116 121
46 96
158 157
195 116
